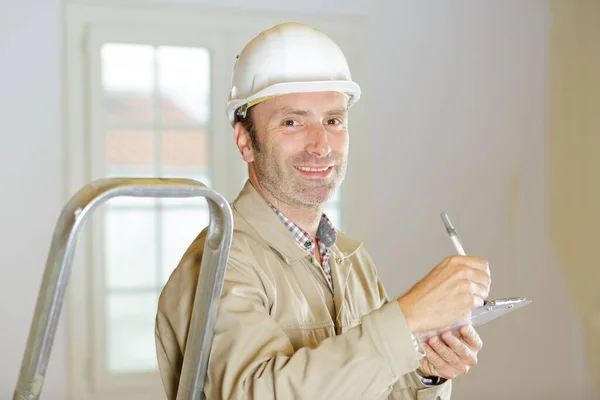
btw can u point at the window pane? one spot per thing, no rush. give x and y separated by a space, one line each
130 332
185 153
130 202
130 248
184 85
333 212
181 225
128 81
129 152
336 197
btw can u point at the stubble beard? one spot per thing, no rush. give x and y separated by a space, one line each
285 183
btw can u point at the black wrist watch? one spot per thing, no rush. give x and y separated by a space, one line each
431 380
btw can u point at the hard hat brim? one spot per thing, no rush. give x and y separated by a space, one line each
350 88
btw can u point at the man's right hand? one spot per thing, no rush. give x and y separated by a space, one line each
448 292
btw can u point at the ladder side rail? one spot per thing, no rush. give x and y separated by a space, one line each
60 257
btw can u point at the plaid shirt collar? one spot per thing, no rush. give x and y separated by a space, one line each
326 234
325 239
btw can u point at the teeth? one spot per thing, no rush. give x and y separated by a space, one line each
312 169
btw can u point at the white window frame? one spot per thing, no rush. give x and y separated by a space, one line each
88 26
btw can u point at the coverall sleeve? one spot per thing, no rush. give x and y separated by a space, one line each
410 385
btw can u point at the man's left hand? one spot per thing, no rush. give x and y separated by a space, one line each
449 355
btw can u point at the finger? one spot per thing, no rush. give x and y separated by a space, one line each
480 277
471 337
472 292
444 351
480 290
475 276
466 355
473 262
436 362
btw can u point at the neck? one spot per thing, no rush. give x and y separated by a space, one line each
307 218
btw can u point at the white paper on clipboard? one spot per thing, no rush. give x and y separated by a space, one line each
490 310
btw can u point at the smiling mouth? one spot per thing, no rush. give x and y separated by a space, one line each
314 169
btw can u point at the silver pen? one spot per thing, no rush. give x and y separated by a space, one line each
458 246
453 235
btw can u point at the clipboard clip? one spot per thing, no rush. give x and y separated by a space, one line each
508 302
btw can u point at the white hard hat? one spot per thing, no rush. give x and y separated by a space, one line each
288 58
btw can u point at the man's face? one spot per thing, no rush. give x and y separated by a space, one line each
303 146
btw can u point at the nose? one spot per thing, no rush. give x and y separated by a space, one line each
318 142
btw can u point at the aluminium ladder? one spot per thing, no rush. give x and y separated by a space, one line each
58 267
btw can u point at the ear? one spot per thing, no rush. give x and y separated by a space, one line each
243 142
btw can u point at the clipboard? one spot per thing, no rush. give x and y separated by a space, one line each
490 310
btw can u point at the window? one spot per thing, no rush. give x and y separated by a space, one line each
157 110
146 98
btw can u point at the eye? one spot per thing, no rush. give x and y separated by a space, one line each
290 122
334 121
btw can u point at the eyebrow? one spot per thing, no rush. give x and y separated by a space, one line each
294 111
338 111
290 111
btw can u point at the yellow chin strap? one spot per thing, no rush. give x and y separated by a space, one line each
243 110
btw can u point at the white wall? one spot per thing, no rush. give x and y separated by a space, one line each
31 176
461 126
458 98
353 7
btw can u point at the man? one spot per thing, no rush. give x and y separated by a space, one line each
303 313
